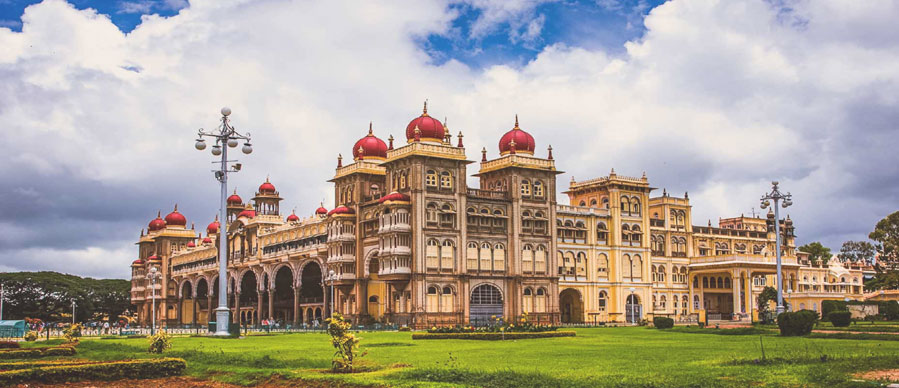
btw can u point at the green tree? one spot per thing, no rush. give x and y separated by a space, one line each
49 295
768 294
817 253
886 237
857 252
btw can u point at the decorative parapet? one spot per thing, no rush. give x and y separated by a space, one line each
427 149
518 160
361 167
582 210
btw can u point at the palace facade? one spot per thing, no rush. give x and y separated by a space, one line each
410 243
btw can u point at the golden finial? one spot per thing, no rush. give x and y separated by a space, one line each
550 149
390 140
266 178
484 154
424 112
460 139
176 207
158 213
191 226
516 122
369 129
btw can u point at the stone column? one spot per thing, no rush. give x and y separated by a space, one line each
271 303
735 290
259 313
193 310
296 306
690 295
747 289
236 317
180 310
210 311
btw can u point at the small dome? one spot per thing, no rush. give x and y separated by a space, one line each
154 258
137 262
191 244
175 218
429 128
523 142
207 240
394 196
249 213
293 217
157 224
213 227
341 210
234 199
321 210
267 187
370 147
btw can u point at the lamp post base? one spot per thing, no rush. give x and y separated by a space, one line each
222 320
779 309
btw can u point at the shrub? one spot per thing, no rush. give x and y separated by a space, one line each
116 370
840 318
72 332
38 352
797 323
493 336
9 345
828 306
404 328
160 342
345 343
31 336
663 322
889 310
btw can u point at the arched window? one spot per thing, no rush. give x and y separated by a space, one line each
684 302
540 300
581 264
539 191
446 180
433 254
447 296
540 259
593 202
432 303
499 257
528 300
527 258
486 256
605 202
602 266
431 213
471 256
625 233
431 178
625 205
582 203
525 188
627 265
447 255
635 205
662 274
603 300
705 282
602 232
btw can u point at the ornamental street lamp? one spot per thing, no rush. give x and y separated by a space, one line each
789 297
784 200
151 276
332 276
633 306
73 311
226 136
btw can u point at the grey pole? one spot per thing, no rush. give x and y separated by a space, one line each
221 312
784 200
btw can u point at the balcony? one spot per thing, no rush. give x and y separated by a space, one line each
582 210
487 194
395 251
342 258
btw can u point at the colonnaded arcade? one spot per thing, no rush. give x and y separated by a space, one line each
410 243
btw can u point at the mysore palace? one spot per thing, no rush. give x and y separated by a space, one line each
410 243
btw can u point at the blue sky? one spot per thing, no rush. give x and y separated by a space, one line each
591 24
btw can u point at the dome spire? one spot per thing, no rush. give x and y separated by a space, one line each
424 112
483 154
369 129
460 139
339 160
516 122
550 149
390 139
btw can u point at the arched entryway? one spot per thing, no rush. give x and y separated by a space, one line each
633 311
249 298
486 303
312 295
186 313
377 290
571 305
203 301
282 305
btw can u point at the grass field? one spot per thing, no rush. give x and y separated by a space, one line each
631 356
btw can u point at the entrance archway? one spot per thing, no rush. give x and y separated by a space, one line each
571 305
633 311
486 302
283 295
249 298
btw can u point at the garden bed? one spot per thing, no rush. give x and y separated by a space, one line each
493 336
114 370
55 351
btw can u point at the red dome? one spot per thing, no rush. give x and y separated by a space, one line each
154 258
249 213
370 147
267 187
137 262
157 224
394 196
213 227
191 244
341 210
429 128
234 199
175 218
321 210
524 142
293 217
207 240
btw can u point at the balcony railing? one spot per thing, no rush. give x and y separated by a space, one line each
487 194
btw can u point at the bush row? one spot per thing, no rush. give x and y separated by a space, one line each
5 366
115 370
38 352
889 310
493 336
9 345
840 318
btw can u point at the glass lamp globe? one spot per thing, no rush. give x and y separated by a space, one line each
200 145
216 150
226 111
232 143
247 148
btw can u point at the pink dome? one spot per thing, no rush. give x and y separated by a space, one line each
394 196
524 142
157 224
175 218
429 128
370 147
341 210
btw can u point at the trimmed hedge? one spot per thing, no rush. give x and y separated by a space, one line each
56 351
9 345
840 318
797 323
115 370
493 336
663 322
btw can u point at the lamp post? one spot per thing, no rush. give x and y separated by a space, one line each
151 276
73 311
789 294
225 136
784 200
331 277
633 306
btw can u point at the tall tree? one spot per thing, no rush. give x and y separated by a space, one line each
857 252
49 296
816 252
886 236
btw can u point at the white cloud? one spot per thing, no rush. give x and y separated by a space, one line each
717 98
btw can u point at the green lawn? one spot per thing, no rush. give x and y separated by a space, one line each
631 356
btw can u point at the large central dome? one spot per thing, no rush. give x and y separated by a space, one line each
516 141
370 147
429 128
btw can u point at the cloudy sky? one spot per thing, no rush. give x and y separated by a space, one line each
100 102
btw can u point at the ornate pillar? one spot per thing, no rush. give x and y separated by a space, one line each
690 296
193 310
271 303
259 314
210 311
236 318
296 306
180 310
735 290
747 292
